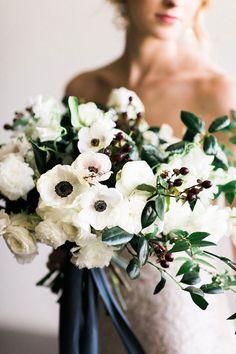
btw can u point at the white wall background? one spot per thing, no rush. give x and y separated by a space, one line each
42 45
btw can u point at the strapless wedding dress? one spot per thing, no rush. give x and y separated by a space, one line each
170 323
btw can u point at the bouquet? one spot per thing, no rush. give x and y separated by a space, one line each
96 181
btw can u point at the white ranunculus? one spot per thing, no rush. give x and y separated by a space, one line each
130 214
51 233
97 137
4 222
19 146
133 174
211 219
151 138
20 242
16 177
60 187
89 113
24 220
48 113
92 167
119 99
94 254
100 206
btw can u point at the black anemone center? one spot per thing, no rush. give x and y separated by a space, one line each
95 142
63 189
93 169
100 205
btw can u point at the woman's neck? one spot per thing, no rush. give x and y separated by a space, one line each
145 57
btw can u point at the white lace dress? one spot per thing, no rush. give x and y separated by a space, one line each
170 323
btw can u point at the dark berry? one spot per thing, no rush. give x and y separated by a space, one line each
184 171
107 151
169 257
170 184
190 197
118 156
119 136
176 171
206 184
127 148
139 115
164 263
194 190
178 182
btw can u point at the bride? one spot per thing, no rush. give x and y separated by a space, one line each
165 62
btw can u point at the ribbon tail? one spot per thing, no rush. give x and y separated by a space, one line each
120 322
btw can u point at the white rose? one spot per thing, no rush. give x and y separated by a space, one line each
20 242
133 174
92 167
97 137
94 254
4 221
50 233
60 187
16 177
123 100
100 206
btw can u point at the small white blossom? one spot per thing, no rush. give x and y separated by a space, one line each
151 138
92 167
16 177
60 187
133 174
97 137
99 206
123 100
21 243
88 114
94 254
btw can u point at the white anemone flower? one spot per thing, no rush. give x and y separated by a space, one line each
93 254
97 137
92 167
133 174
60 187
124 100
100 206
16 177
89 113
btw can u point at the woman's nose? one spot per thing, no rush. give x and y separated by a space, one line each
173 3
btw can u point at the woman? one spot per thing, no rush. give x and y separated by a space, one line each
165 63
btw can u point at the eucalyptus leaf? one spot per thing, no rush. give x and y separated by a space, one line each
116 236
160 285
133 269
219 124
192 122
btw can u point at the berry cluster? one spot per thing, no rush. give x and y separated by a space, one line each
120 149
174 181
163 256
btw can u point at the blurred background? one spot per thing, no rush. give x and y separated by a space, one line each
43 44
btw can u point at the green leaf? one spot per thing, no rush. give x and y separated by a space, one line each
162 182
202 243
211 289
177 148
232 140
192 122
197 296
160 206
146 188
202 261
191 278
143 250
230 197
116 236
219 124
227 261
40 158
210 145
228 187
189 136
233 317
133 269
180 245
73 106
149 214
198 236
152 155
185 268
178 233
160 285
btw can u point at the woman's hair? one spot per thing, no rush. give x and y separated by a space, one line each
198 27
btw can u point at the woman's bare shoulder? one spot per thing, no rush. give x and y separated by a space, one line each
92 85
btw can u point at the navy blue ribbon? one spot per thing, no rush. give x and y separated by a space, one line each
78 331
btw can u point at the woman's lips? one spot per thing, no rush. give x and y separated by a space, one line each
166 19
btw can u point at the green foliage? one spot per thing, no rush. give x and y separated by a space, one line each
160 206
191 278
152 155
116 236
149 214
177 148
133 269
192 122
40 158
160 285
197 296
219 124
146 188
